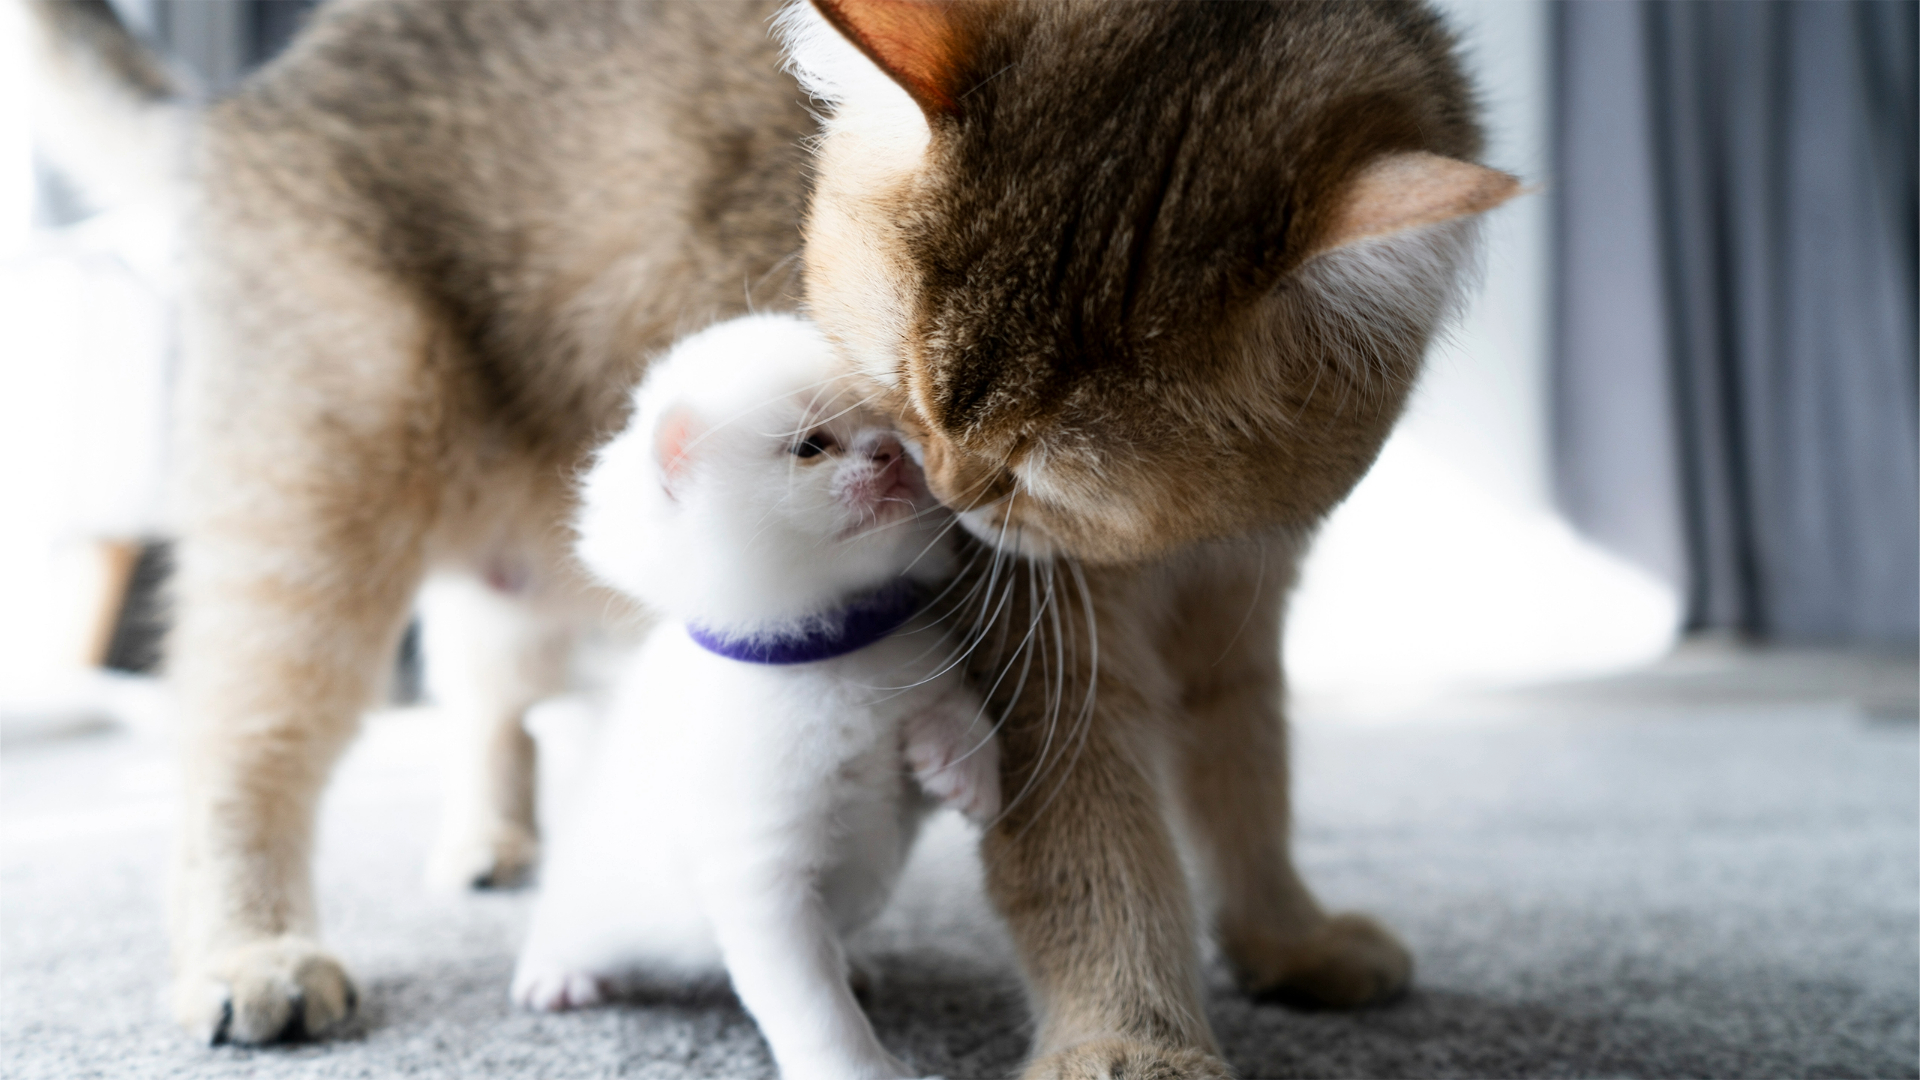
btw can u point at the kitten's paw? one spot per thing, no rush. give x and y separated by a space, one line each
1348 962
958 771
871 1064
557 989
495 855
1125 1059
279 990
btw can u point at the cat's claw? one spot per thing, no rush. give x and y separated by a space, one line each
557 990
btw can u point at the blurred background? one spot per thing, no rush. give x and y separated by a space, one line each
1680 411
1606 673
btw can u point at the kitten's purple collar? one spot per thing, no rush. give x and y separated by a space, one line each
853 626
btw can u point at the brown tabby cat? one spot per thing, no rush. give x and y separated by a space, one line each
1148 283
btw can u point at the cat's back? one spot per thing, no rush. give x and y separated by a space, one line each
492 104
567 183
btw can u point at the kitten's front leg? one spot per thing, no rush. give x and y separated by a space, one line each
789 968
954 756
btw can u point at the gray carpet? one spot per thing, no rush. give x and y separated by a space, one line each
1691 885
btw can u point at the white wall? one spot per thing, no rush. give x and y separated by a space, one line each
85 329
1483 404
1448 568
16 161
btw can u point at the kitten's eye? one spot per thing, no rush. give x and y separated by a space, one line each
814 445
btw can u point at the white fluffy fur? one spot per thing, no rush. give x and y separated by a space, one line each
740 542
874 142
829 66
743 813
1404 282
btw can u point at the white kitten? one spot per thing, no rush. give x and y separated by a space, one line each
754 797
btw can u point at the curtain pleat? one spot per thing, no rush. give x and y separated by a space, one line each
1747 171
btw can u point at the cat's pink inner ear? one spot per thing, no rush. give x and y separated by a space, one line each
920 44
673 445
1406 191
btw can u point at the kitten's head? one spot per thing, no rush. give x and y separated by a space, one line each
752 487
1135 275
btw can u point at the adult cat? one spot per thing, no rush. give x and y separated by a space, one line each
1148 283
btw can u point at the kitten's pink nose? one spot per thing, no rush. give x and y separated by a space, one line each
894 476
880 447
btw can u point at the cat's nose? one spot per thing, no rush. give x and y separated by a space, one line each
881 447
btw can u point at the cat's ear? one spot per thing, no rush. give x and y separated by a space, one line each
923 45
673 443
1405 191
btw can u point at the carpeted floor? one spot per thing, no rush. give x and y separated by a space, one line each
1595 884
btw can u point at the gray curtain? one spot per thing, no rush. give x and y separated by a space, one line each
212 44
1735 371
219 41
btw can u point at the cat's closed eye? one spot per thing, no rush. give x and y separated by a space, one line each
814 445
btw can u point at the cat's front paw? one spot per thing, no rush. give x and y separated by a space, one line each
1347 962
1125 1059
557 989
281 989
960 772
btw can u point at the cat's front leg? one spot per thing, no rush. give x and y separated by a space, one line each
790 971
955 758
1231 782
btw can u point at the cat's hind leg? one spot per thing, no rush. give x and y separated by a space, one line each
1231 782
493 649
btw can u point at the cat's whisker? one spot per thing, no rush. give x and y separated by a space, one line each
1055 692
1023 654
809 417
940 639
626 617
911 518
950 614
972 638
1319 368
1059 691
785 262
1055 698
1253 605
952 523
766 516
974 634
1083 724
940 622
763 403
993 730
972 561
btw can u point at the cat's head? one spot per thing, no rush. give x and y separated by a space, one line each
753 487
1136 275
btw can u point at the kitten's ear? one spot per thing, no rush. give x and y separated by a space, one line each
672 447
921 44
1406 191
